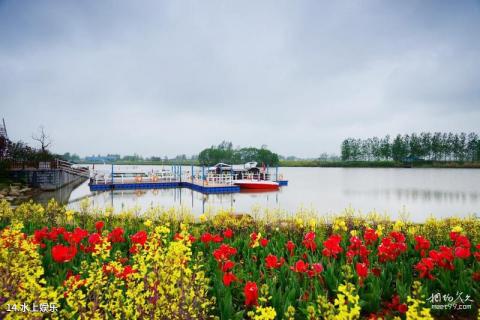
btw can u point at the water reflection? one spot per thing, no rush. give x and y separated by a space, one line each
442 192
121 199
61 195
417 194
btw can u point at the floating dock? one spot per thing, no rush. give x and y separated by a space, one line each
197 186
209 183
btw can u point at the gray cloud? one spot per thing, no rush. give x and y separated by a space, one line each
170 77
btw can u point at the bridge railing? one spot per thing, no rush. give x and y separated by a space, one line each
57 164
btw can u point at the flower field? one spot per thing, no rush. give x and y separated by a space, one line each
164 264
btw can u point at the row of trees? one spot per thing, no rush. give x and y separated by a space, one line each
225 152
438 146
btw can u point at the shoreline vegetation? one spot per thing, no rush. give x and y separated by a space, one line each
167 264
379 164
317 163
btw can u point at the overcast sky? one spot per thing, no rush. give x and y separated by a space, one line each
173 77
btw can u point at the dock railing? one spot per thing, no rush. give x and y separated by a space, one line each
220 179
210 179
105 178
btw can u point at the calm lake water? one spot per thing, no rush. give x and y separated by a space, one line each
420 192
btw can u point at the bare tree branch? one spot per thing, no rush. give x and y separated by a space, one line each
42 138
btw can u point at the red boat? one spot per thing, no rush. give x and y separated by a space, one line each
257 184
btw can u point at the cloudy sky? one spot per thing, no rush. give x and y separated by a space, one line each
173 77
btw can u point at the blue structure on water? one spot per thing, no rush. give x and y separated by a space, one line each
165 185
176 182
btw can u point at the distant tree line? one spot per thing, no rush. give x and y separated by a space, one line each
67 156
225 152
438 146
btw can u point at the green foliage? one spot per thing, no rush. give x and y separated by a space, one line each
224 152
426 146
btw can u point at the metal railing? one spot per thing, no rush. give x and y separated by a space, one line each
209 179
124 178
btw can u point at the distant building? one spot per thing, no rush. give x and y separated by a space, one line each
112 157
101 159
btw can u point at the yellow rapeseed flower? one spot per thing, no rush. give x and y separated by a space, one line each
457 228
148 223
69 215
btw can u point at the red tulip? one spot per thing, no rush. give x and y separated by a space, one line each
462 253
251 294
55 232
228 278
224 252
41 234
309 241
217 238
391 247
424 267
133 249
477 254
395 305
272 262
99 226
362 269
403 308
290 247
355 248
140 237
370 236
61 253
76 236
206 237
228 233
421 244
116 235
300 266
332 246
94 239
227 265
315 269
264 242
128 270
